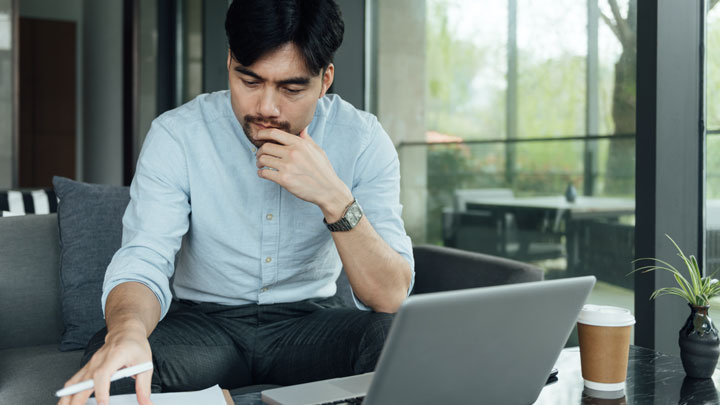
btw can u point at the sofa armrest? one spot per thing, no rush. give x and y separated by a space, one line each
439 268
29 281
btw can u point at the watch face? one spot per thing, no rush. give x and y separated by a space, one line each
354 214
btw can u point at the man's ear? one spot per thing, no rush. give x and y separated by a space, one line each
327 79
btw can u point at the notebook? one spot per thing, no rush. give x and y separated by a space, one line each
482 345
210 396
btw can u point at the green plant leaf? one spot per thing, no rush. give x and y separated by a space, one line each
692 268
696 290
646 269
663 262
682 281
671 291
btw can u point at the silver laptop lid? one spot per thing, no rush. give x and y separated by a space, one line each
484 345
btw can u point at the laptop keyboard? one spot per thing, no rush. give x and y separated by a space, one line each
357 400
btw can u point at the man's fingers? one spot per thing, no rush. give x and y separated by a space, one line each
82 397
76 378
277 135
268 161
142 387
272 149
101 376
102 386
85 373
271 175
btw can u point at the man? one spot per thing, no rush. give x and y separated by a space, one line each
249 201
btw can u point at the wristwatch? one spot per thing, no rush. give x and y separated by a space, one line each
350 218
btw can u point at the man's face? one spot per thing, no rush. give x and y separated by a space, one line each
277 91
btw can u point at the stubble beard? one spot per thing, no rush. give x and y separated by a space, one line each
250 131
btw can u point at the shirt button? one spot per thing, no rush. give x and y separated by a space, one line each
264 289
269 217
268 259
254 150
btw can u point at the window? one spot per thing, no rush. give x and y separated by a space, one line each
712 186
526 102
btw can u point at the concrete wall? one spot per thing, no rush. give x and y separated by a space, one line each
103 91
6 94
349 58
65 10
147 71
400 98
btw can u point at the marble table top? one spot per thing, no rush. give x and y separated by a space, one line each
653 378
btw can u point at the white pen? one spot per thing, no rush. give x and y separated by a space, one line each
122 373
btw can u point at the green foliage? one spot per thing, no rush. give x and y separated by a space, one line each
551 97
452 65
713 69
697 291
713 103
713 167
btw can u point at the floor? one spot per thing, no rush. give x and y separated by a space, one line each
602 294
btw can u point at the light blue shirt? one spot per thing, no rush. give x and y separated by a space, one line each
200 214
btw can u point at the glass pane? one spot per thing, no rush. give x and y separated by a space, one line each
712 24
712 204
508 111
6 94
192 51
147 70
466 68
552 45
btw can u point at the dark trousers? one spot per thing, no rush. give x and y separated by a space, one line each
198 345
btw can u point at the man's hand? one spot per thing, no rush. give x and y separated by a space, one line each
126 348
379 276
301 167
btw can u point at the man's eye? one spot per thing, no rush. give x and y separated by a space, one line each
250 83
292 91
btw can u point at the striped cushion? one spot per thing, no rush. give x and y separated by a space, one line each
22 202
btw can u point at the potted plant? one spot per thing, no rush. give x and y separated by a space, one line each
699 342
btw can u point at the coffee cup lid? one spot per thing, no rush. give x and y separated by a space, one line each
605 315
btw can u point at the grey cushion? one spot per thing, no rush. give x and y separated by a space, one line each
90 222
31 375
29 285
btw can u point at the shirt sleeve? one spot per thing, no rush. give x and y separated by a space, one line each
155 220
377 188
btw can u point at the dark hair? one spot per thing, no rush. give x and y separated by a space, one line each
255 27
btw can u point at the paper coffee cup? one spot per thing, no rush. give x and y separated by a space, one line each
604 335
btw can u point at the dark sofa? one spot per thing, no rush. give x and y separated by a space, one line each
31 366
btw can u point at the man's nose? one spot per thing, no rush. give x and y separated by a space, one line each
268 105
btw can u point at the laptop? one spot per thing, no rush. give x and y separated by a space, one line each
494 345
